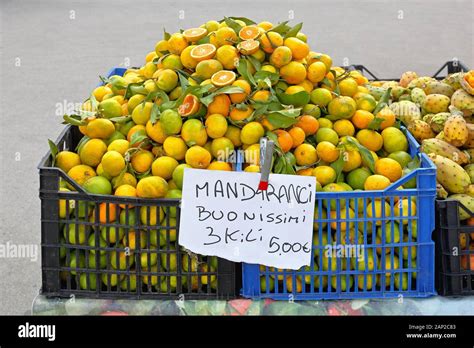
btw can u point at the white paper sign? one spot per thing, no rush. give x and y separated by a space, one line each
224 214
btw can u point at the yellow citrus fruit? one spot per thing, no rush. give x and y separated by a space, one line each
119 145
141 114
352 160
203 52
294 89
252 154
324 174
298 135
306 155
125 191
308 124
389 168
177 43
370 139
81 173
134 101
193 132
366 102
270 40
164 167
194 34
100 128
239 115
100 92
219 105
222 148
316 72
223 78
126 179
152 187
265 25
228 55
251 133
343 214
249 47
285 140
198 157
261 96
233 133
224 36
161 47
293 72
240 97
167 80
319 57
220 165
113 163
92 151
252 168
325 123
175 147
327 151
342 107
150 56
151 215
376 182
378 209
307 85
141 161
344 127
280 56
216 126
206 68
156 131
388 117
405 208
65 160
249 32
187 60
348 87
298 48
362 118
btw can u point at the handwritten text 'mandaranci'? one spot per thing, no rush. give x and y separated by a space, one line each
243 192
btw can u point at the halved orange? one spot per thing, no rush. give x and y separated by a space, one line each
194 34
249 32
223 78
248 47
203 52
190 106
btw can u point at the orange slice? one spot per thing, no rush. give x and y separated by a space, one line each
248 47
249 32
203 52
223 78
194 34
190 106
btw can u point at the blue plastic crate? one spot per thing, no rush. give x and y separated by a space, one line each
328 277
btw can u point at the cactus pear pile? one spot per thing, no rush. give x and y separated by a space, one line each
440 115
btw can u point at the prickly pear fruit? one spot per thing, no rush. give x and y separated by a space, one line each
470 171
421 130
442 148
463 101
437 87
420 82
450 174
453 80
406 111
441 191
418 95
435 103
470 190
455 130
465 200
437 121
470 153
376 92
405 96
407 77
397 92
469 144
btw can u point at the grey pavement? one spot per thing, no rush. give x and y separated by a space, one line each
53 51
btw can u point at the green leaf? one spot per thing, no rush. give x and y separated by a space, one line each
294 31
117 82
243 19
272 136
293 113
232 24
262 74
54 152
297 99
375 123
383 101
244 70
104 80
155 113
338 165
94 102
70 119
166 35
135 88
120 177
282 28
280 121
365 153
279 166
183 80
204 40
138 137
121 119
255 62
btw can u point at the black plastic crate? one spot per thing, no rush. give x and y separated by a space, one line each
454 253
451 67
104 246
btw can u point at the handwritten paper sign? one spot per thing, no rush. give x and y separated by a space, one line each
224 214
